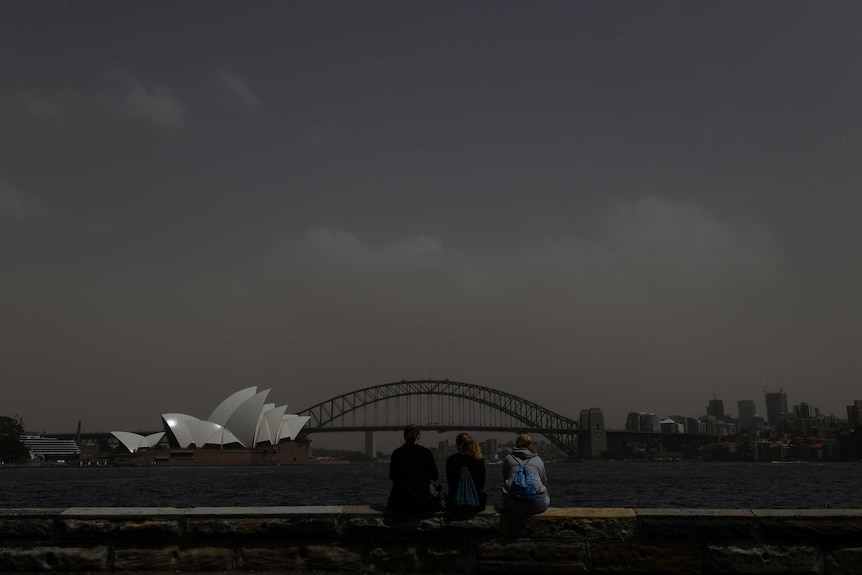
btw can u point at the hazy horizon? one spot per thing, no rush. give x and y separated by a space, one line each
631 206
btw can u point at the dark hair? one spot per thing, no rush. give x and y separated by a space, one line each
411 434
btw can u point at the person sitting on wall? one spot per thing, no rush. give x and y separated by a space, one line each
524 490
466 493
412 469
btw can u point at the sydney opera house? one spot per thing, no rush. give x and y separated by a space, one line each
242 430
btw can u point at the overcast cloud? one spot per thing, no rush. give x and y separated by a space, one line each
631 206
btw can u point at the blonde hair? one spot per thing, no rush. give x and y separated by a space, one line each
524 440
468 446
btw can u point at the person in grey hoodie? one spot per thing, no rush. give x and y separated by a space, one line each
525 454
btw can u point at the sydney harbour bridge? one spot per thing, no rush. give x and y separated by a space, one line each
439 405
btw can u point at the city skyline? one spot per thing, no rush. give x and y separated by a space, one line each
615 205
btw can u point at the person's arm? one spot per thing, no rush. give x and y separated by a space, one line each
432 467
452 474
508 462
393 466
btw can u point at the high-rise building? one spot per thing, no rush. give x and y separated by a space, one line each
649 422
803 411
695 426
747 410
715 408
854 413
592 437
640 421
776 407
490 448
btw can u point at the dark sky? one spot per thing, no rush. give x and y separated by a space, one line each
627 205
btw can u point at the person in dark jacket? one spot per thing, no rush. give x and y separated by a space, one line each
469 458
525 454
412 469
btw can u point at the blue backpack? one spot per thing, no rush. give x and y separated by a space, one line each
465 494
522 486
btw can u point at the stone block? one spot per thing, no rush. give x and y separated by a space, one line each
616 558
54 558
449 560
696 525
168 528
331 558
282 558
396 525
529 556
89 527
810 525
395 558
763 559
301 557
576 524
26 528
206 559
174 558
130 559
846 561
289 526
150 528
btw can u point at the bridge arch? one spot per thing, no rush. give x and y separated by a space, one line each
435 404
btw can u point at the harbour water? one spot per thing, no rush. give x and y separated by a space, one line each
594 484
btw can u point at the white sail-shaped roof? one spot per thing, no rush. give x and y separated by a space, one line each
291 425
243 421
178 425
203 432
270 420
136 441
223 437
243 418
226 408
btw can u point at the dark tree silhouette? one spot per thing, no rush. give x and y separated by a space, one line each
11 448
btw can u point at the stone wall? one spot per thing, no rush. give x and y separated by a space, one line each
366 539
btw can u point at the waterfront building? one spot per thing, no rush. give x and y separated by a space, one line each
854 413
802 411
695 426
245 423
592 438
640 421
51 449
776 407
747 410
490 448
668 425
715 408
649 422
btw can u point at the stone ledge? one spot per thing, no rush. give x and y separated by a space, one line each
368 539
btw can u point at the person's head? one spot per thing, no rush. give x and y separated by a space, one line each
411 434
468 446
525 441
